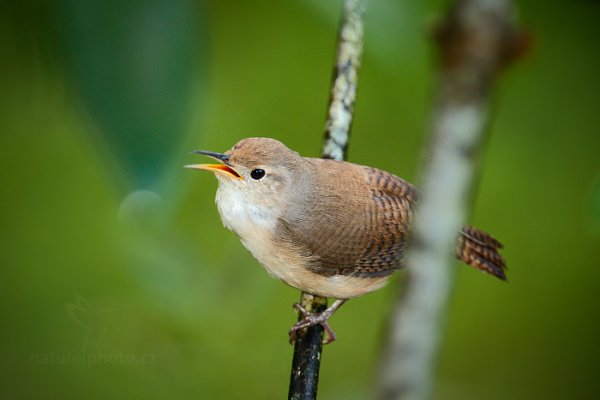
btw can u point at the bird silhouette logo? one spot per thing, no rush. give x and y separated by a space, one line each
94 321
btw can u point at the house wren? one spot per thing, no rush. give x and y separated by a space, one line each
330 228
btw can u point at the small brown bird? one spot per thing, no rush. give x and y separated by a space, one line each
330 228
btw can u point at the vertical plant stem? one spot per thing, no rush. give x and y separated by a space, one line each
475 40
304 377
344 81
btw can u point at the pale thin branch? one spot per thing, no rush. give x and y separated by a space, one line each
308 346
345 81
475 40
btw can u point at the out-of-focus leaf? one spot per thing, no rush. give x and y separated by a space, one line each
133 63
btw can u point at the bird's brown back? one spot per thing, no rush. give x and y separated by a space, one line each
358 224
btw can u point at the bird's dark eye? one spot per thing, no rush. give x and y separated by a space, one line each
257 173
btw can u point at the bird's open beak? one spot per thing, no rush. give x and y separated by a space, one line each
223 169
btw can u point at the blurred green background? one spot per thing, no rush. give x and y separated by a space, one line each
118 279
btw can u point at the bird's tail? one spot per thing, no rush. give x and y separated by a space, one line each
481 251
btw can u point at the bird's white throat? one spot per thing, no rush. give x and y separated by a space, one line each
241 213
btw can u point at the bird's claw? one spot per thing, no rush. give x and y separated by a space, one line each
310 319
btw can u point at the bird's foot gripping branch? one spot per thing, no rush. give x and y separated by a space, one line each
311 319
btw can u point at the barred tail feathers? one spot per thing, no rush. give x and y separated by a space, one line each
481 251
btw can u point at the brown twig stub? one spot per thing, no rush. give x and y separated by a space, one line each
476 39
309 341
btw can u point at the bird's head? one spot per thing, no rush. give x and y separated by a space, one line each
261 171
